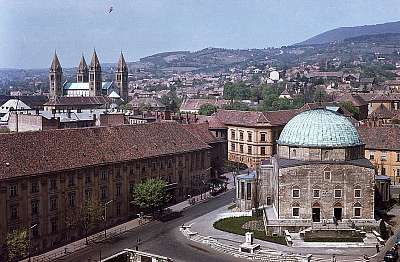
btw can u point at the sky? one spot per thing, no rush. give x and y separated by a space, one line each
30 31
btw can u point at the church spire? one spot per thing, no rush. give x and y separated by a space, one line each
82 64
82 76
55 78
122 64
95 79
95 61
55 65
121 78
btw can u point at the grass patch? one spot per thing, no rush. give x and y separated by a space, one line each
232 206
234 225
321 239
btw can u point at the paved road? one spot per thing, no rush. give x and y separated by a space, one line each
163 239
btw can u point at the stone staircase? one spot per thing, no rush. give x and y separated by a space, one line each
261 255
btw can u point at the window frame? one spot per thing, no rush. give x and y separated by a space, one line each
298 212
337 190
295 189
355 195
359 210
319 193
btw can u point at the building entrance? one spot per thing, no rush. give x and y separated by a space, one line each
316 214
337 213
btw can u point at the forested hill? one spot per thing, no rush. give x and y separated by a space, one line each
342 33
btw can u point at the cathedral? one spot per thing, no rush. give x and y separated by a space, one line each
89 80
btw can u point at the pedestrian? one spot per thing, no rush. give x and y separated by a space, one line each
377 248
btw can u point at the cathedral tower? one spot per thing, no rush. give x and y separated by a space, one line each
95 81
55 78
82 75
121 78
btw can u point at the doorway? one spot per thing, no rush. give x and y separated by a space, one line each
337 213
316 214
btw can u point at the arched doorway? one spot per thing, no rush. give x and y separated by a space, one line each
338 211
316 212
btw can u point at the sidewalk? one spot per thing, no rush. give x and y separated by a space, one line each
204 226
118 230
92 240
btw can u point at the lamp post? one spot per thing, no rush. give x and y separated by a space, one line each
105 218
29 235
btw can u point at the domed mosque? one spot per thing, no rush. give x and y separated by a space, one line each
319 175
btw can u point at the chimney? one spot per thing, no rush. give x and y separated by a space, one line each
69 113
187 118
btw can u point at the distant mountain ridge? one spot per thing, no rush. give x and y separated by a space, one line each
342 33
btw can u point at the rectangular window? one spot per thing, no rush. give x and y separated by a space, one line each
13 190
233 135
327 175
14 212
249 151
241 135
295 211
242 190
241 148
53 203
383 171
88 195
296 193
371 157
383 156
34 187
103 193
71 180
357 193
398 172
357 211
118 209
316 193
53 184
248 192
233 147
249 137
53 225
398 157
118 189
263 150
71 199
35 207
338 193
263 137
88 179
103 175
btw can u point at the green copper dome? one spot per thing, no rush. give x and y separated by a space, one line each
319 128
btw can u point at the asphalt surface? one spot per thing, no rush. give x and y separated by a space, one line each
162 238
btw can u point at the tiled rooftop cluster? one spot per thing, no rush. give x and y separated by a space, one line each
320 128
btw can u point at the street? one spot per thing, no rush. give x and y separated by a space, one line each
162 238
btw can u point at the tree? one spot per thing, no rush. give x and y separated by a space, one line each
171 101
207 109
237 106
91 213
126 107
17 244
348 105
150 195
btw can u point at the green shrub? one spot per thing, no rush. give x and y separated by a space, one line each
234 225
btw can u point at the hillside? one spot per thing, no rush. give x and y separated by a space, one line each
342 33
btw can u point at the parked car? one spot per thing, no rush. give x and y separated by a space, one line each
391 255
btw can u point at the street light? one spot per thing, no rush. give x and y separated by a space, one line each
105 218
30 229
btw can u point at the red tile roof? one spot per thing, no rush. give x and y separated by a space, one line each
202 132
195 104
78 100
32 153
254 118
382 137
382 112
